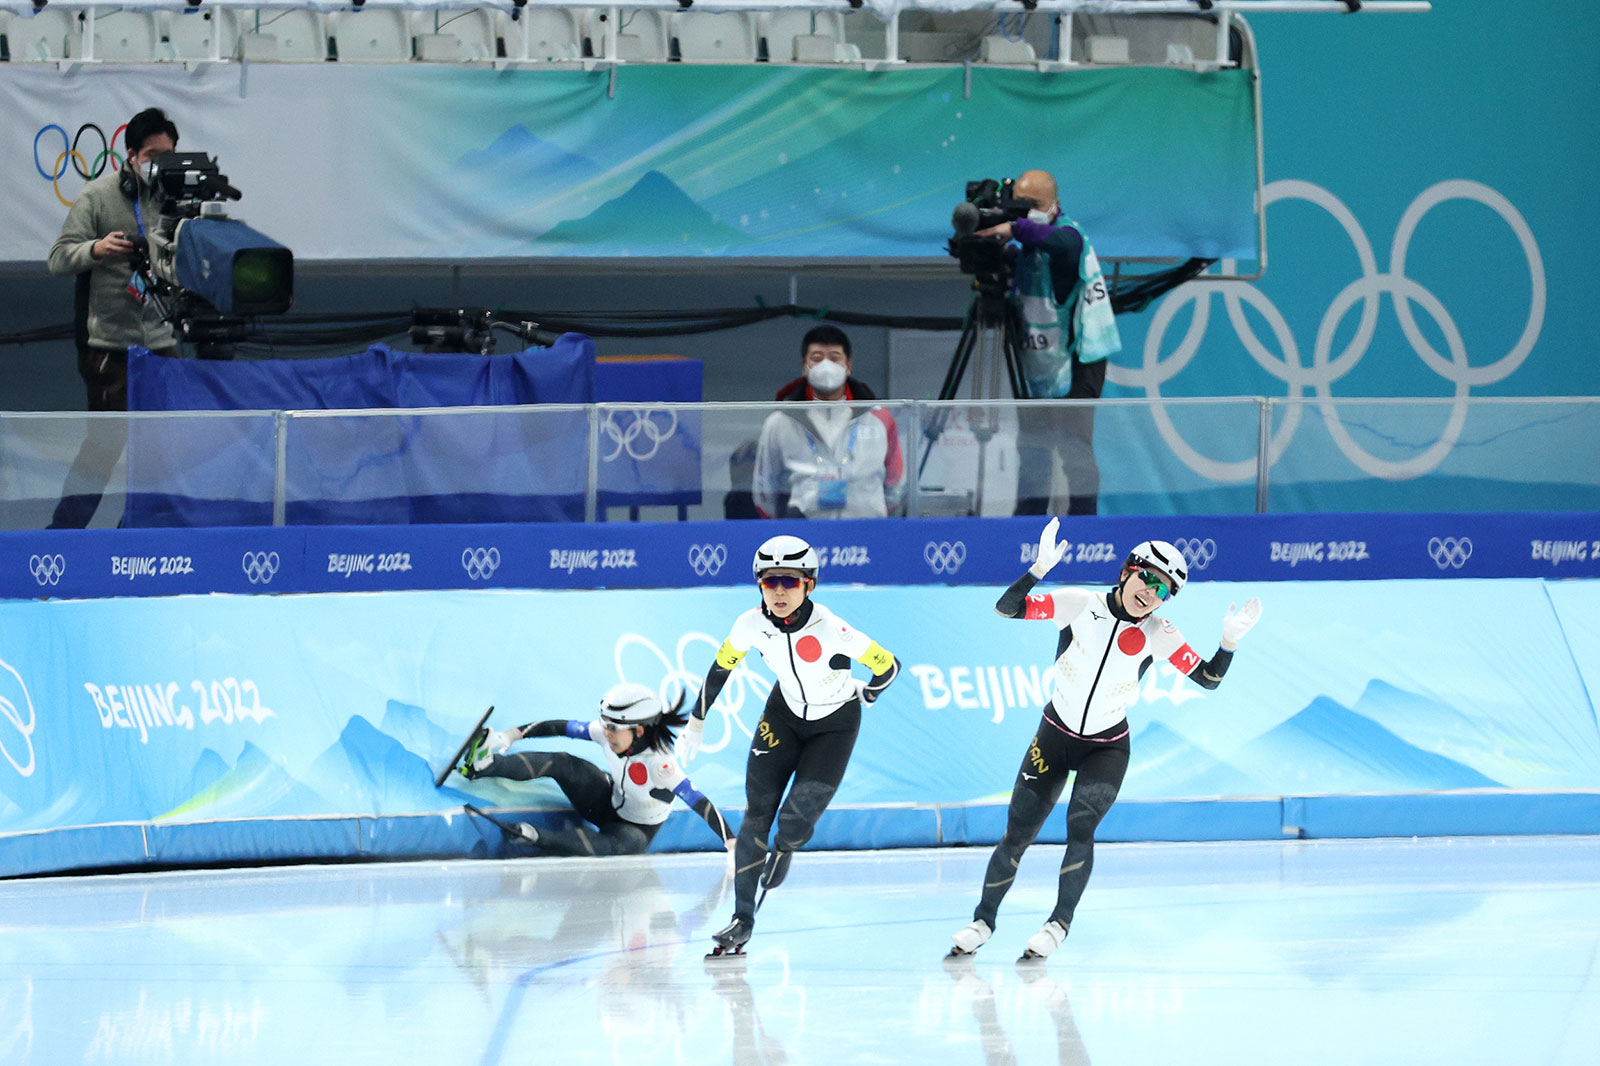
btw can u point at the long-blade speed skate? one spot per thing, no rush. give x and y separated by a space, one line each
730 941
455 760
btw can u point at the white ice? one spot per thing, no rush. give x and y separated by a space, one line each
1447 951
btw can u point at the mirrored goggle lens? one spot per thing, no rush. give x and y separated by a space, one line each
781 581
1155 583
614 727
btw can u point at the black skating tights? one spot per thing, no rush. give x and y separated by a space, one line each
588 789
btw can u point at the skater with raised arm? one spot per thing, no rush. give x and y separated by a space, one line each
808 728
1108 639
626 806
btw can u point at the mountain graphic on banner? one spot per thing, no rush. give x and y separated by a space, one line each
256 785
519 160
1328 748
1167 766
654 217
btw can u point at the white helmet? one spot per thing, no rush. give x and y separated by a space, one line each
784 552
630 703
1164 557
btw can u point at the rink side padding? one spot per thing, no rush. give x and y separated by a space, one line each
1488 813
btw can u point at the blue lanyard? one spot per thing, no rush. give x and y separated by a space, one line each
138 215
849 445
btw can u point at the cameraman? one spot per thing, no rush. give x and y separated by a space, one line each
1069 330
97 244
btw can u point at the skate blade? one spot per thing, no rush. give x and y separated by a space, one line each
722 954
1031 956
959 952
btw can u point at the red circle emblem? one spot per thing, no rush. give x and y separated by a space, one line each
637 773
809 649
1131 641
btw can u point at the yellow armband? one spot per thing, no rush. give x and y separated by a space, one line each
876 659
728 656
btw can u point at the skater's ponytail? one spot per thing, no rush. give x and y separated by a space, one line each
658 734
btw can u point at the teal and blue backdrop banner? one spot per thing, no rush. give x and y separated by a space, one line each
269 725
416 161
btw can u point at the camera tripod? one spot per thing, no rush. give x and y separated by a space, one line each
992 334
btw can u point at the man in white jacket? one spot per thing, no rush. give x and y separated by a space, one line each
830 455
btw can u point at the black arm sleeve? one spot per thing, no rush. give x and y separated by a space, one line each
880 682
719 825
1012 602
716 677
1209 674
555 727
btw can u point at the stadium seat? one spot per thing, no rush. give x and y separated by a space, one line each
713 37
642 35
1003 51
371 35
792 36
41 37
1108 50
120 36
189 34
292 36
551 34
460 36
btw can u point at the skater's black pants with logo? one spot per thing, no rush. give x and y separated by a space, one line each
1052 755
588 789
786 748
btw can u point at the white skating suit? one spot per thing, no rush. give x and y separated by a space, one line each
643 784
1101 657
811 662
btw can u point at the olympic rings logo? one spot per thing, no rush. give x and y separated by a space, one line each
47 569
643 427
1197 552
707 559
943 557
745 687
71 156
260 567
480 563
13 697
1327 366
1450 553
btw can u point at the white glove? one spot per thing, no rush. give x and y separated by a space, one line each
1050 552
731 844
1238 621
499 742
688 744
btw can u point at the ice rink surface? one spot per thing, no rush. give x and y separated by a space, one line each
1448 951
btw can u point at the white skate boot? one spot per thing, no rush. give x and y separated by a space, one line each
1046 940
971 938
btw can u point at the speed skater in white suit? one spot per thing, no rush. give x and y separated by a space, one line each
1108 639
626 806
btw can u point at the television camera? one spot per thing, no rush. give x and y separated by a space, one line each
989 203
207 271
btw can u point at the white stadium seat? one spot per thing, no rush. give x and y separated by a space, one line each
120 36
805 37
551 34
371 35
292 36
714 37
189 34
460 36
41 37
642 35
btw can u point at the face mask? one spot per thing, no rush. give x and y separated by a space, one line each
1044 218
826 376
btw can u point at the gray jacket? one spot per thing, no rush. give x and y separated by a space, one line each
116 319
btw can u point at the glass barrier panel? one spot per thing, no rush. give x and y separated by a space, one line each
479 464
1087 457
1465 454
145 469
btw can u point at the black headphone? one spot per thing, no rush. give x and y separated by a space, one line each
128 181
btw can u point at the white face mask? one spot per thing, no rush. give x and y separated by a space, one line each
1044 218
826 376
